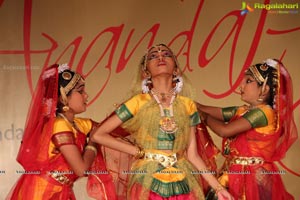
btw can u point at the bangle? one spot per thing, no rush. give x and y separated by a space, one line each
139 154
92 148
219 188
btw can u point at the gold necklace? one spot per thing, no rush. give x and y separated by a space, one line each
167 124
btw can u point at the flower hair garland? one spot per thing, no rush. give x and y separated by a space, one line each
63 67
271 63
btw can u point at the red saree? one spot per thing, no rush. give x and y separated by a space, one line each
257 180
46 173
252 173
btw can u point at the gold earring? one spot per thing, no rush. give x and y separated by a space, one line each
260 99
66 108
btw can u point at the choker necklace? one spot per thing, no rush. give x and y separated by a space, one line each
163 95
167 123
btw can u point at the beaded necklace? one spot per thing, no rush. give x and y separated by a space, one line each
167 122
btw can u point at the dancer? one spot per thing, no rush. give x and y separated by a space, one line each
257 134
55 150
162 122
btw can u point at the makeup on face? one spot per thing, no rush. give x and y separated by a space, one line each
155 55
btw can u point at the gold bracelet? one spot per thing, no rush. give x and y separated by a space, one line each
92 148
219 188
140 153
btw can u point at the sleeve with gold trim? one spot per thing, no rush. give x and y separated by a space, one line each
128 109
62 133
258 117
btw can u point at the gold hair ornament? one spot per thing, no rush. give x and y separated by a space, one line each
259 78
72 83
264 84
63 95
66 75
65 90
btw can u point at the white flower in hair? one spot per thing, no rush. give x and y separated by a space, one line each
271 63
63 67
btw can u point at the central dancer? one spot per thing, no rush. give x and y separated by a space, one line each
161 119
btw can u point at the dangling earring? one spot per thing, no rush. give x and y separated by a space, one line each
65 108
145 84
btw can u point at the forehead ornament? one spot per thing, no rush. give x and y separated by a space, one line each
159 48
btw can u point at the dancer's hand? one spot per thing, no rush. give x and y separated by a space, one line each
224 195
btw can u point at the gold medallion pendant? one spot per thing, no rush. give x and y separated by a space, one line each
168 125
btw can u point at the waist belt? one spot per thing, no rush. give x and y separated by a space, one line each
247 160
164 160
61 178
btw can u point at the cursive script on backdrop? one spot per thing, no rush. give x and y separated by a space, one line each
116 32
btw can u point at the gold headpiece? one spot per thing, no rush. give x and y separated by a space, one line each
72 83
65 90
258 77
259 70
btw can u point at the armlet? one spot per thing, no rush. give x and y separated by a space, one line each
257 118
195 119
123 113
63 138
